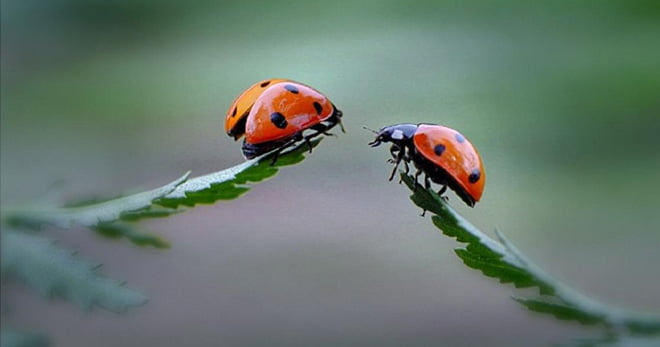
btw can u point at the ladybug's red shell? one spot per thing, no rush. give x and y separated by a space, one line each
283 110
240 108
450 150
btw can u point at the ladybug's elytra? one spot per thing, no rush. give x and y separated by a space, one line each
443 154
273 114
240 108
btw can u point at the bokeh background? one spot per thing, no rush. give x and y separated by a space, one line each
562 98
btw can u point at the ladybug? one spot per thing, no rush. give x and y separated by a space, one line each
273 114
443 154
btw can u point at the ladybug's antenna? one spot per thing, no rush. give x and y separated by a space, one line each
372 130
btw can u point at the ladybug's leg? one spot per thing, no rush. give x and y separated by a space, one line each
309 144
442 191
406 170
399 156
322 129
427 182
299 137
396 165
276 154
394 151
405 164
291 142
417 174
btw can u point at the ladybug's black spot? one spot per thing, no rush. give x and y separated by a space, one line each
460 138
265 84
318 107
439 149
475 175
291 88
233 113
278 120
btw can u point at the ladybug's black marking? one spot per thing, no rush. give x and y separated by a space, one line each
233 113
460 138
439 149
475 175
291 88
318 107
278 120
265 84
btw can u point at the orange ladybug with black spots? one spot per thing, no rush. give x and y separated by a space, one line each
443 154
273 114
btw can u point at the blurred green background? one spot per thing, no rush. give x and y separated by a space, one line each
562 99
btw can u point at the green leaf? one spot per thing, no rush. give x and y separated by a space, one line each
148 212
90 215
231 183
164 201
15 338
614 341
122 230
560 310
502 260
492 267
53 271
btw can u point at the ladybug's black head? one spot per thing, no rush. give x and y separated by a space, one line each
397 133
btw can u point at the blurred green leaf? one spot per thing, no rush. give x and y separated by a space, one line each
148 212
560 310
162 202
15 338
90 215
502 260
121 230
614 341
53 271
56 272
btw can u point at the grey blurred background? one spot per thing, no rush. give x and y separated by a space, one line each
562 99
